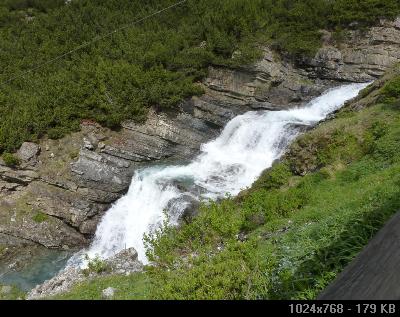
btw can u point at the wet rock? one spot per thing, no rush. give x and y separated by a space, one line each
88 227
191 210
61 283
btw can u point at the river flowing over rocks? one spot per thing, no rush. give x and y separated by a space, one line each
249 144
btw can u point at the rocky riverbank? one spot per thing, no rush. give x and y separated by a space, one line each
125 262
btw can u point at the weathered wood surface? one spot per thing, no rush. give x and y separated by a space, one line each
375 272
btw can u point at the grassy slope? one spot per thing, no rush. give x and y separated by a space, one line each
135 286
152 64
288 236
12 294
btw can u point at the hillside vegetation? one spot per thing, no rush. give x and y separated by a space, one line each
295 229
155 63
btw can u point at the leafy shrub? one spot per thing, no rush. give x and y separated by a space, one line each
40 5
372 135
95 265
358 13
10 159
379 129
315 150
275 177
225 275
40 217
357 171
325 173
387 149
391 90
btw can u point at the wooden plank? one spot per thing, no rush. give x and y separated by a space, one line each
375 272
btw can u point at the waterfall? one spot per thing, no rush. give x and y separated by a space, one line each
248 145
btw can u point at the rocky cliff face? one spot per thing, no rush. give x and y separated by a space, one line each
363 56
63 187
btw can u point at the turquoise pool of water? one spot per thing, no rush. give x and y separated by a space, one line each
36 270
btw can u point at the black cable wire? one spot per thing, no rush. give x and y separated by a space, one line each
96 39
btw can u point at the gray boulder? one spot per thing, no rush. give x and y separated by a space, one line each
108 293
125 262
29 152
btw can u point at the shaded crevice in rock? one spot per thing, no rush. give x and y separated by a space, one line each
12 240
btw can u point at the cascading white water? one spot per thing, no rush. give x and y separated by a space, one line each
248 145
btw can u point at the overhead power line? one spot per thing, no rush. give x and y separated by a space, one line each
96 39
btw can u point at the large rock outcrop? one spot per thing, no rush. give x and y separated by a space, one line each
363 56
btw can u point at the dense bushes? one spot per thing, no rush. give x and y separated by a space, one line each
96 266
152 64
40 5
356 13
391 90
10 159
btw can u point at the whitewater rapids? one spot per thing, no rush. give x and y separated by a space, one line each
249 144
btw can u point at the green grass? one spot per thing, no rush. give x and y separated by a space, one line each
10 159
298 251
295 229
13 294
391 91
134 286
96 266
338 221
157 63
40 217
